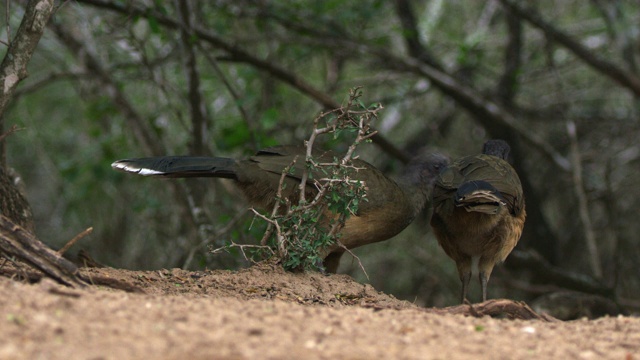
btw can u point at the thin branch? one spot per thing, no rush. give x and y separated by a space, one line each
218 233
486 111
282 250
411 34
614 223
598 63
548 273
507 86
7 18
242 248
145 135
290 231
360 265
14 128
251 122
75 239
149 140
583 205
14 65
241 55
199 117
30 87
279 200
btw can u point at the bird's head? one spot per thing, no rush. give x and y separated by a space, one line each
497 148
424 169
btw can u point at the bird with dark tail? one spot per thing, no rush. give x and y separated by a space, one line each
478 212
390 206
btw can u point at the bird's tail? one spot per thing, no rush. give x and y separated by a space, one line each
479 196
179 166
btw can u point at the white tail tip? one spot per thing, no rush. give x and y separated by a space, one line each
126 167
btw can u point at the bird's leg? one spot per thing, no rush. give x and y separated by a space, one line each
332 261
465 278
484 279
320 266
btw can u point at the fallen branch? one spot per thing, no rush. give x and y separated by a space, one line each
496 308
93 278
16 241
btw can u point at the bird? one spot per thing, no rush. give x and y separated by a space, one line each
390 206
478 212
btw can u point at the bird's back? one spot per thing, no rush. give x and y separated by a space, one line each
382 213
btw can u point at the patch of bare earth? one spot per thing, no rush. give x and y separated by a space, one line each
266 313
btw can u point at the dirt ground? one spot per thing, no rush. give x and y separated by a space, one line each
266 313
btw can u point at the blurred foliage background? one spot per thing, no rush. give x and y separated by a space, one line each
557 79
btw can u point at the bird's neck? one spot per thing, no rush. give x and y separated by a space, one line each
416 191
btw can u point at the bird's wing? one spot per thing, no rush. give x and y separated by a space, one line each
275 159
502 176
445 187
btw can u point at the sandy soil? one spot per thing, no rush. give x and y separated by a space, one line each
266 313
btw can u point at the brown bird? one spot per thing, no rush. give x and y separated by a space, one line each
478 212
390 206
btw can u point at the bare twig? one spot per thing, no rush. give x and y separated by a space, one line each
308 156
75 239
242 248
360 265
287 225
14 128
279 200
280 237
211 239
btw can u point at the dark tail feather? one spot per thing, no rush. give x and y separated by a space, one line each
179 166
479 196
